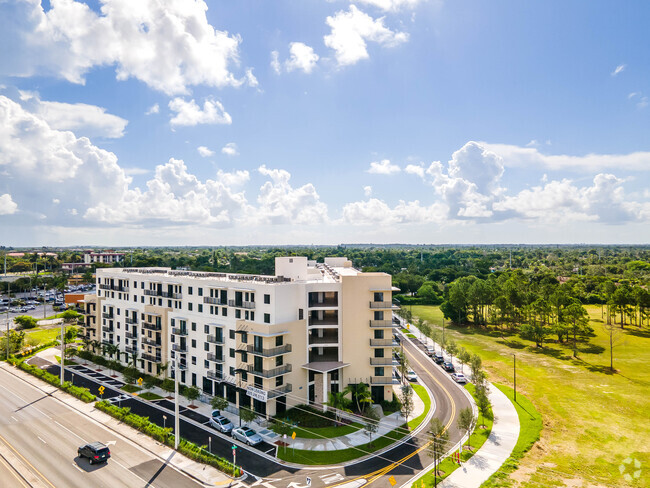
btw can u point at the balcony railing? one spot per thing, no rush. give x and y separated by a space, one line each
382 305
383 343
269 373
151 342
163 294
217 358
215 339
131 320
182 331
323 321
107 315
124 289
383 380
108 328
215 375
131 350
282 390
151 326
154 358
242 304
131 335
326 339
382 361
329 302
268 353
179 347
382 324
214 301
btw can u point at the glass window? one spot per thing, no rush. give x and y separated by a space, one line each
267 298
267 318
379 371
189 290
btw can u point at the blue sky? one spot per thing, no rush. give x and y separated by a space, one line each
181 122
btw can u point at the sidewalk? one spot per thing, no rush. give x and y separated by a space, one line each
499 445
201 472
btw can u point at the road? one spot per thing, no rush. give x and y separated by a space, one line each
39 437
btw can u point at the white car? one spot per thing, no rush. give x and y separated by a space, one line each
247 435
458 377
411 376
221 423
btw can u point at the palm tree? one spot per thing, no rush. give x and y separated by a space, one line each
360 394
161 368
95 344
338 402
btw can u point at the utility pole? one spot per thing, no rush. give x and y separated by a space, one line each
514 366
62 350
176 419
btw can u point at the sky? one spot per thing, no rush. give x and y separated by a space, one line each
189 122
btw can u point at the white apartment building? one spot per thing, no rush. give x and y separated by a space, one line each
91 257
262 342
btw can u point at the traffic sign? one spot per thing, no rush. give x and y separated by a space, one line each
392 481
101 390
293 436
234 447
140 380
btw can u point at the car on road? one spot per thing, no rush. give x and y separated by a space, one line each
458 377
448 366
431 351
411 376
438 358
221 423
96 452
247 435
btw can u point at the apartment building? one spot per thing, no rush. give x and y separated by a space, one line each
103 257
262 342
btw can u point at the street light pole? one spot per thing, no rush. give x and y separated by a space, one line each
62 351
514 366
176 419
7 319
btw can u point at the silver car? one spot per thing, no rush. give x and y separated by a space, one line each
221 423
458 377
247 435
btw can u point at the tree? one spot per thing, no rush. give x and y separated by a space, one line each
483 402
338 402
371 424
578 320
463 356
95 344
219 403
161 368
403 366
246 415
168 385
465 421
360 395
438 446
24 322
475 365
192 393
148 382
451 348
16 341
406 398
130 375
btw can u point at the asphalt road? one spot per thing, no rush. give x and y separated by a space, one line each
39 437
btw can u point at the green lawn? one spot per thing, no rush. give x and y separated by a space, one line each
130 388
593 419
147 395
304 456
321 432
38 336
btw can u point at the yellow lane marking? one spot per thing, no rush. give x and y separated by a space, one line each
26 461
13 471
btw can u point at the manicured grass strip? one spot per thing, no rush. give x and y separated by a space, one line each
476 440
412 336
329 432
82 394
422 393
130 388
148 395
530 424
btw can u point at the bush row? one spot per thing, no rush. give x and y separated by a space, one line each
82 394
164 436
33 350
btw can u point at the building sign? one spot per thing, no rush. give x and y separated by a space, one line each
257 394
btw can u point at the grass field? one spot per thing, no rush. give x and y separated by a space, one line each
40 336
593 419
147 395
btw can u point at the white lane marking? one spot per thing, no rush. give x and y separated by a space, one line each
40 439
15 419
73 433
331 478
26 402
111 443
75 465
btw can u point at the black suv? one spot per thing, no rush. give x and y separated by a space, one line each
96 452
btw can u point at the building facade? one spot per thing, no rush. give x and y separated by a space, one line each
262 342
108 257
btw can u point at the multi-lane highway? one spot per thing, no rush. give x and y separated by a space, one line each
47 433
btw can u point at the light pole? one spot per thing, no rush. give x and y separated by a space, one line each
176 419
62 350
7 319
164 421
514 367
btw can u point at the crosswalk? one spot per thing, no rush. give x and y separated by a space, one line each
326 479
331 478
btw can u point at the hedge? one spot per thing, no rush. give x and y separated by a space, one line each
164 436
114 365
33 350
82 394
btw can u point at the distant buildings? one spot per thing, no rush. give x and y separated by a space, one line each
262 342
92 257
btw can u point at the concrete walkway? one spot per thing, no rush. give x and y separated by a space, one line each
497 448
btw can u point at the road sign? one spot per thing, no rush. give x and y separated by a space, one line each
101 390
408 326
234 447
293 436
140 381
308 481
392 481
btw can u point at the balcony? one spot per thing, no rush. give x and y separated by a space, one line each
107 342
214 301
282 390
131 335
181 331
151 342
382 324
269 373
242 304
108 328
151 326
383 305
215 339
269 353
131 320
382 361
179 347
131 350
383 380
108 315
124 289
215 375
325 339
383 343
217 358
154 358
326 303
315 322
163 294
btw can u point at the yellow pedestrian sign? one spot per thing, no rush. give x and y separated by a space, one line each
293 436
392 481
140 381
101 391
408 326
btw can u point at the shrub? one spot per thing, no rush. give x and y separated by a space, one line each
82 394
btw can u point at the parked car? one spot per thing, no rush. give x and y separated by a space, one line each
96 452
221 423
458 377
431 351
438 358
247 435
448 366
411 376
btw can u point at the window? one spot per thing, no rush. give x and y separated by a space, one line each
200 292
189 290
246 315
379 353
118 311
142 285
379 296
244 376
224 311
379 315
300 314
253 316
379 371
206 346
244 337
194 344
142 301
232 371
267 318
259 382
200 307
312 375
278 360
206 329
267 299
232 352
135 284
252 297
244 357
193 379
193 359
379 334
279 380
193 326
278 341
257 363
237 313
231 333
189 306
206 364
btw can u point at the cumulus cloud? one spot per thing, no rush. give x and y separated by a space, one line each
154 109
618 69
301 57
350 32
275 62
391 5
415 169
376 212
367 190
81 118
383 167
167 45
230 149
190 113
7 205
204 151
